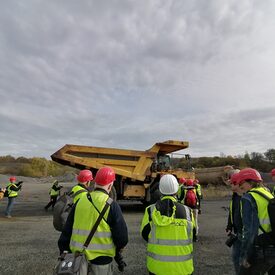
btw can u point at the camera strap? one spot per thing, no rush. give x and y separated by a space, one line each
88 240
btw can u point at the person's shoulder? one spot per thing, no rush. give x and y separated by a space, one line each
115 207
247 197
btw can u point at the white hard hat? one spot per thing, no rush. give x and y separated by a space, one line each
168 185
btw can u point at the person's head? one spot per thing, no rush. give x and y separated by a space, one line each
84 177
182 180
55 182
168 185
189 182
235 184
12 179
196 182
249 178
105 178
273 174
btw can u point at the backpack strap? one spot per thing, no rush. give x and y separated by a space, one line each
261 194
108 203
73 195
91 201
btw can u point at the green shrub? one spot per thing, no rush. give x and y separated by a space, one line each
41 167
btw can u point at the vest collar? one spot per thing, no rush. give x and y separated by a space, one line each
101 190
169 197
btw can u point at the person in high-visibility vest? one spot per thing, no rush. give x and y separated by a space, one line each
12 193
234 224
54 193
167 226
111 235
84 179
257 254
199 194
273 179
182 189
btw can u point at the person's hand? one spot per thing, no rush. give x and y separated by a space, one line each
228 231
246 264
121 266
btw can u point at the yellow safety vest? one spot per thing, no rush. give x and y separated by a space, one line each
198 189
262 204
84 218
12 193
76 189
54 192
180 191
170 242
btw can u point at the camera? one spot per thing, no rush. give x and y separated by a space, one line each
232 238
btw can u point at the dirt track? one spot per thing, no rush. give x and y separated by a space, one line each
29 241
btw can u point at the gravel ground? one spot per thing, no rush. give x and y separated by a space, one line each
29 241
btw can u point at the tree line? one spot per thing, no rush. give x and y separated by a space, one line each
41 167
32 167
263 162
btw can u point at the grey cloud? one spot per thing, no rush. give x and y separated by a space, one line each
130 73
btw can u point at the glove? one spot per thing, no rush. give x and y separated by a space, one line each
121 266
120 262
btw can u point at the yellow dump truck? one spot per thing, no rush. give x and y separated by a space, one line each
137 172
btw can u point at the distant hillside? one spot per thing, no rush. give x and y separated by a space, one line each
32 167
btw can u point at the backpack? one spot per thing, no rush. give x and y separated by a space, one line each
6 194
62 209
190 198
271 213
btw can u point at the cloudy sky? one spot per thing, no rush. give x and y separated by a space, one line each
131 73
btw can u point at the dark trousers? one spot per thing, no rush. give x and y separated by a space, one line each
264 261
52 202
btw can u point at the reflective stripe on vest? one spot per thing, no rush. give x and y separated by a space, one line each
262 210
84 219
170 247
164 258
12 193
87 232
91 247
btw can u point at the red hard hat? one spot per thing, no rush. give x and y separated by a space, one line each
273 172
234 179
182 180
12 179
84 176
189 182
249 174
105 175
